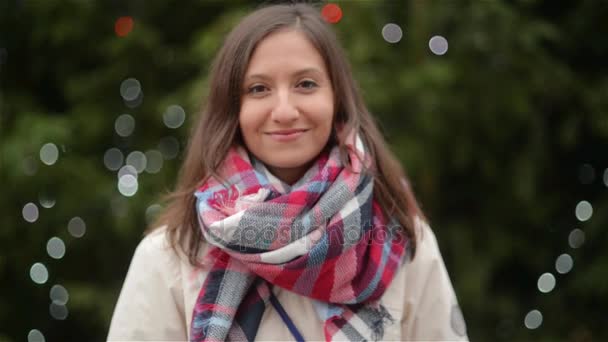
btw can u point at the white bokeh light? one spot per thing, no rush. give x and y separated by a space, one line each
30 212
124 125
533 319
38 273
130 89
113 159
174 116
438 45
58 311
77 227
154 161
59 295
55 248
49 154
583 211
564 263
576 238
35 336
546 282
392 33
127 185
138 160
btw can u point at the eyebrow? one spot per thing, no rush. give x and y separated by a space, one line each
295 74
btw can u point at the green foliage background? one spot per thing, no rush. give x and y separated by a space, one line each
493 135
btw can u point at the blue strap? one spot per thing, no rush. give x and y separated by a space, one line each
292 327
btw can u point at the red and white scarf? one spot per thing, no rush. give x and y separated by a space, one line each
324 237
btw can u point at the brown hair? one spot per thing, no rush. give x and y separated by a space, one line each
218 123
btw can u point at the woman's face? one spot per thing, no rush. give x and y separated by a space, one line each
287 104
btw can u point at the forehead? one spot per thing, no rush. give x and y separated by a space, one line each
283 51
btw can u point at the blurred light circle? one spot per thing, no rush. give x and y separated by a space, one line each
546 282
130 89
136 102
30 212
55 248
392 33
124 125
583 211
49 153
586 174
39 273
123 26
138 160
59 295
127 170
606 177
45 200
564 263
174 116
154 161
438 45
576 238
29 166
152 212
113 159
332 13
58 312
533 319
169 147
77 227
35 336
127 185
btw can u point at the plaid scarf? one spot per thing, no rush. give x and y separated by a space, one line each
324 237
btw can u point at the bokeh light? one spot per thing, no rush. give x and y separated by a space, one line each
138 160
169 147
130 89
606 177
49 154
127 170
77 227
332 13
39 273
59 295
576 238
58 311
124 125
546 282
533 319
438 45
583 211
392 33
30 212
174 116
55 248
154 161
123 26
113 159
45 200
35 336
564 263
152 212
127 185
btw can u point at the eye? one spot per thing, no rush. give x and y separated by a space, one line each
256 89
308 84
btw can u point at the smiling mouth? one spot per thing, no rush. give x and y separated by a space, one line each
286 135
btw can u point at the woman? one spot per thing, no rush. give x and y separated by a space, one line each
291 219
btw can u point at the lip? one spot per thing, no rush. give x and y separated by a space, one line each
286 134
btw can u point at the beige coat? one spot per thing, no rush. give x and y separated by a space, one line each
160 289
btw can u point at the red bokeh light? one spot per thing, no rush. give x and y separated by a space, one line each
123 26
332 13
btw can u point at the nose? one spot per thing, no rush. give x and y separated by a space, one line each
284 110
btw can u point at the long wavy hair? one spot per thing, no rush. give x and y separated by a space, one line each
218 125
